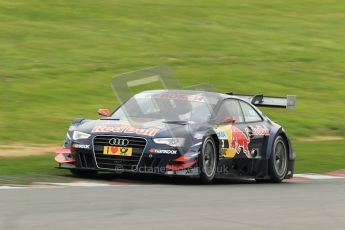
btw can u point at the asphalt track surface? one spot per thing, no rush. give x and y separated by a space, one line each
178 204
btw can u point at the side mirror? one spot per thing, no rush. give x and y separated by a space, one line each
228 120
104 112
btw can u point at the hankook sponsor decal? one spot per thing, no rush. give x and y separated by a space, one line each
79 146
163 151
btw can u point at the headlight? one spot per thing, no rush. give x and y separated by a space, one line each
80 135
174 142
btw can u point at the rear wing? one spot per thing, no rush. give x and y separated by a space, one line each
288 102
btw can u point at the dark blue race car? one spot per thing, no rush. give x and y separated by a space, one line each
188 133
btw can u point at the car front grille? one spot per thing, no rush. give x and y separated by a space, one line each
118 162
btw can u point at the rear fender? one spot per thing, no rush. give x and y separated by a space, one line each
275 132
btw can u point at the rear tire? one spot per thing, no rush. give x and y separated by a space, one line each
208 160
83 172
278 162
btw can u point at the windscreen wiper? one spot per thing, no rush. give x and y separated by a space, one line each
176 122
109 118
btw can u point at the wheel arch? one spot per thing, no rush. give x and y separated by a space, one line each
214 136
217 142
279 131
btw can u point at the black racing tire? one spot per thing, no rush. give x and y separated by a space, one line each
278 162
83 172
207 160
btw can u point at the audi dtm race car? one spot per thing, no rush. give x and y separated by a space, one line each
188 133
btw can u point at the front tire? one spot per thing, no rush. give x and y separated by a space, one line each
278 162
83 172
208 160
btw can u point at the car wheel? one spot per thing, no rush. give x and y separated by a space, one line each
208 160
83 172
278 162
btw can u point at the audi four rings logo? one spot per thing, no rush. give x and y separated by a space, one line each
118 141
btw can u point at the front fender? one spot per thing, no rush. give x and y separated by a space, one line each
68 140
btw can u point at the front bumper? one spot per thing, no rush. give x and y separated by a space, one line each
148 163
146 156
191 171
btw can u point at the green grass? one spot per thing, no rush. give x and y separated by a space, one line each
57 58
319 156
25 170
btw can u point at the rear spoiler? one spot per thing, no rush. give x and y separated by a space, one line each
288 102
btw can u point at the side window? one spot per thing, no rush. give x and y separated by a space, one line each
230 108
250 115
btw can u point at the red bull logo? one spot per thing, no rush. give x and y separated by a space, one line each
239 141
233 141
141 131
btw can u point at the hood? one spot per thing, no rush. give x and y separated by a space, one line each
144 128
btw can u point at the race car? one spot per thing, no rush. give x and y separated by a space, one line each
183 133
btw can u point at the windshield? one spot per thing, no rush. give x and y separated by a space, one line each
169 106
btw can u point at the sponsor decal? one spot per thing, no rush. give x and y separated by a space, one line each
233 141
163 151
79 146
224 134
173 96
107 129
131 130
117 150
221 134
259 130
239 141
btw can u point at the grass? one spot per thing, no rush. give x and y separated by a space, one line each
25 170
57 58
322 156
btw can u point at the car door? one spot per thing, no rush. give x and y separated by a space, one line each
254 128
230 130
